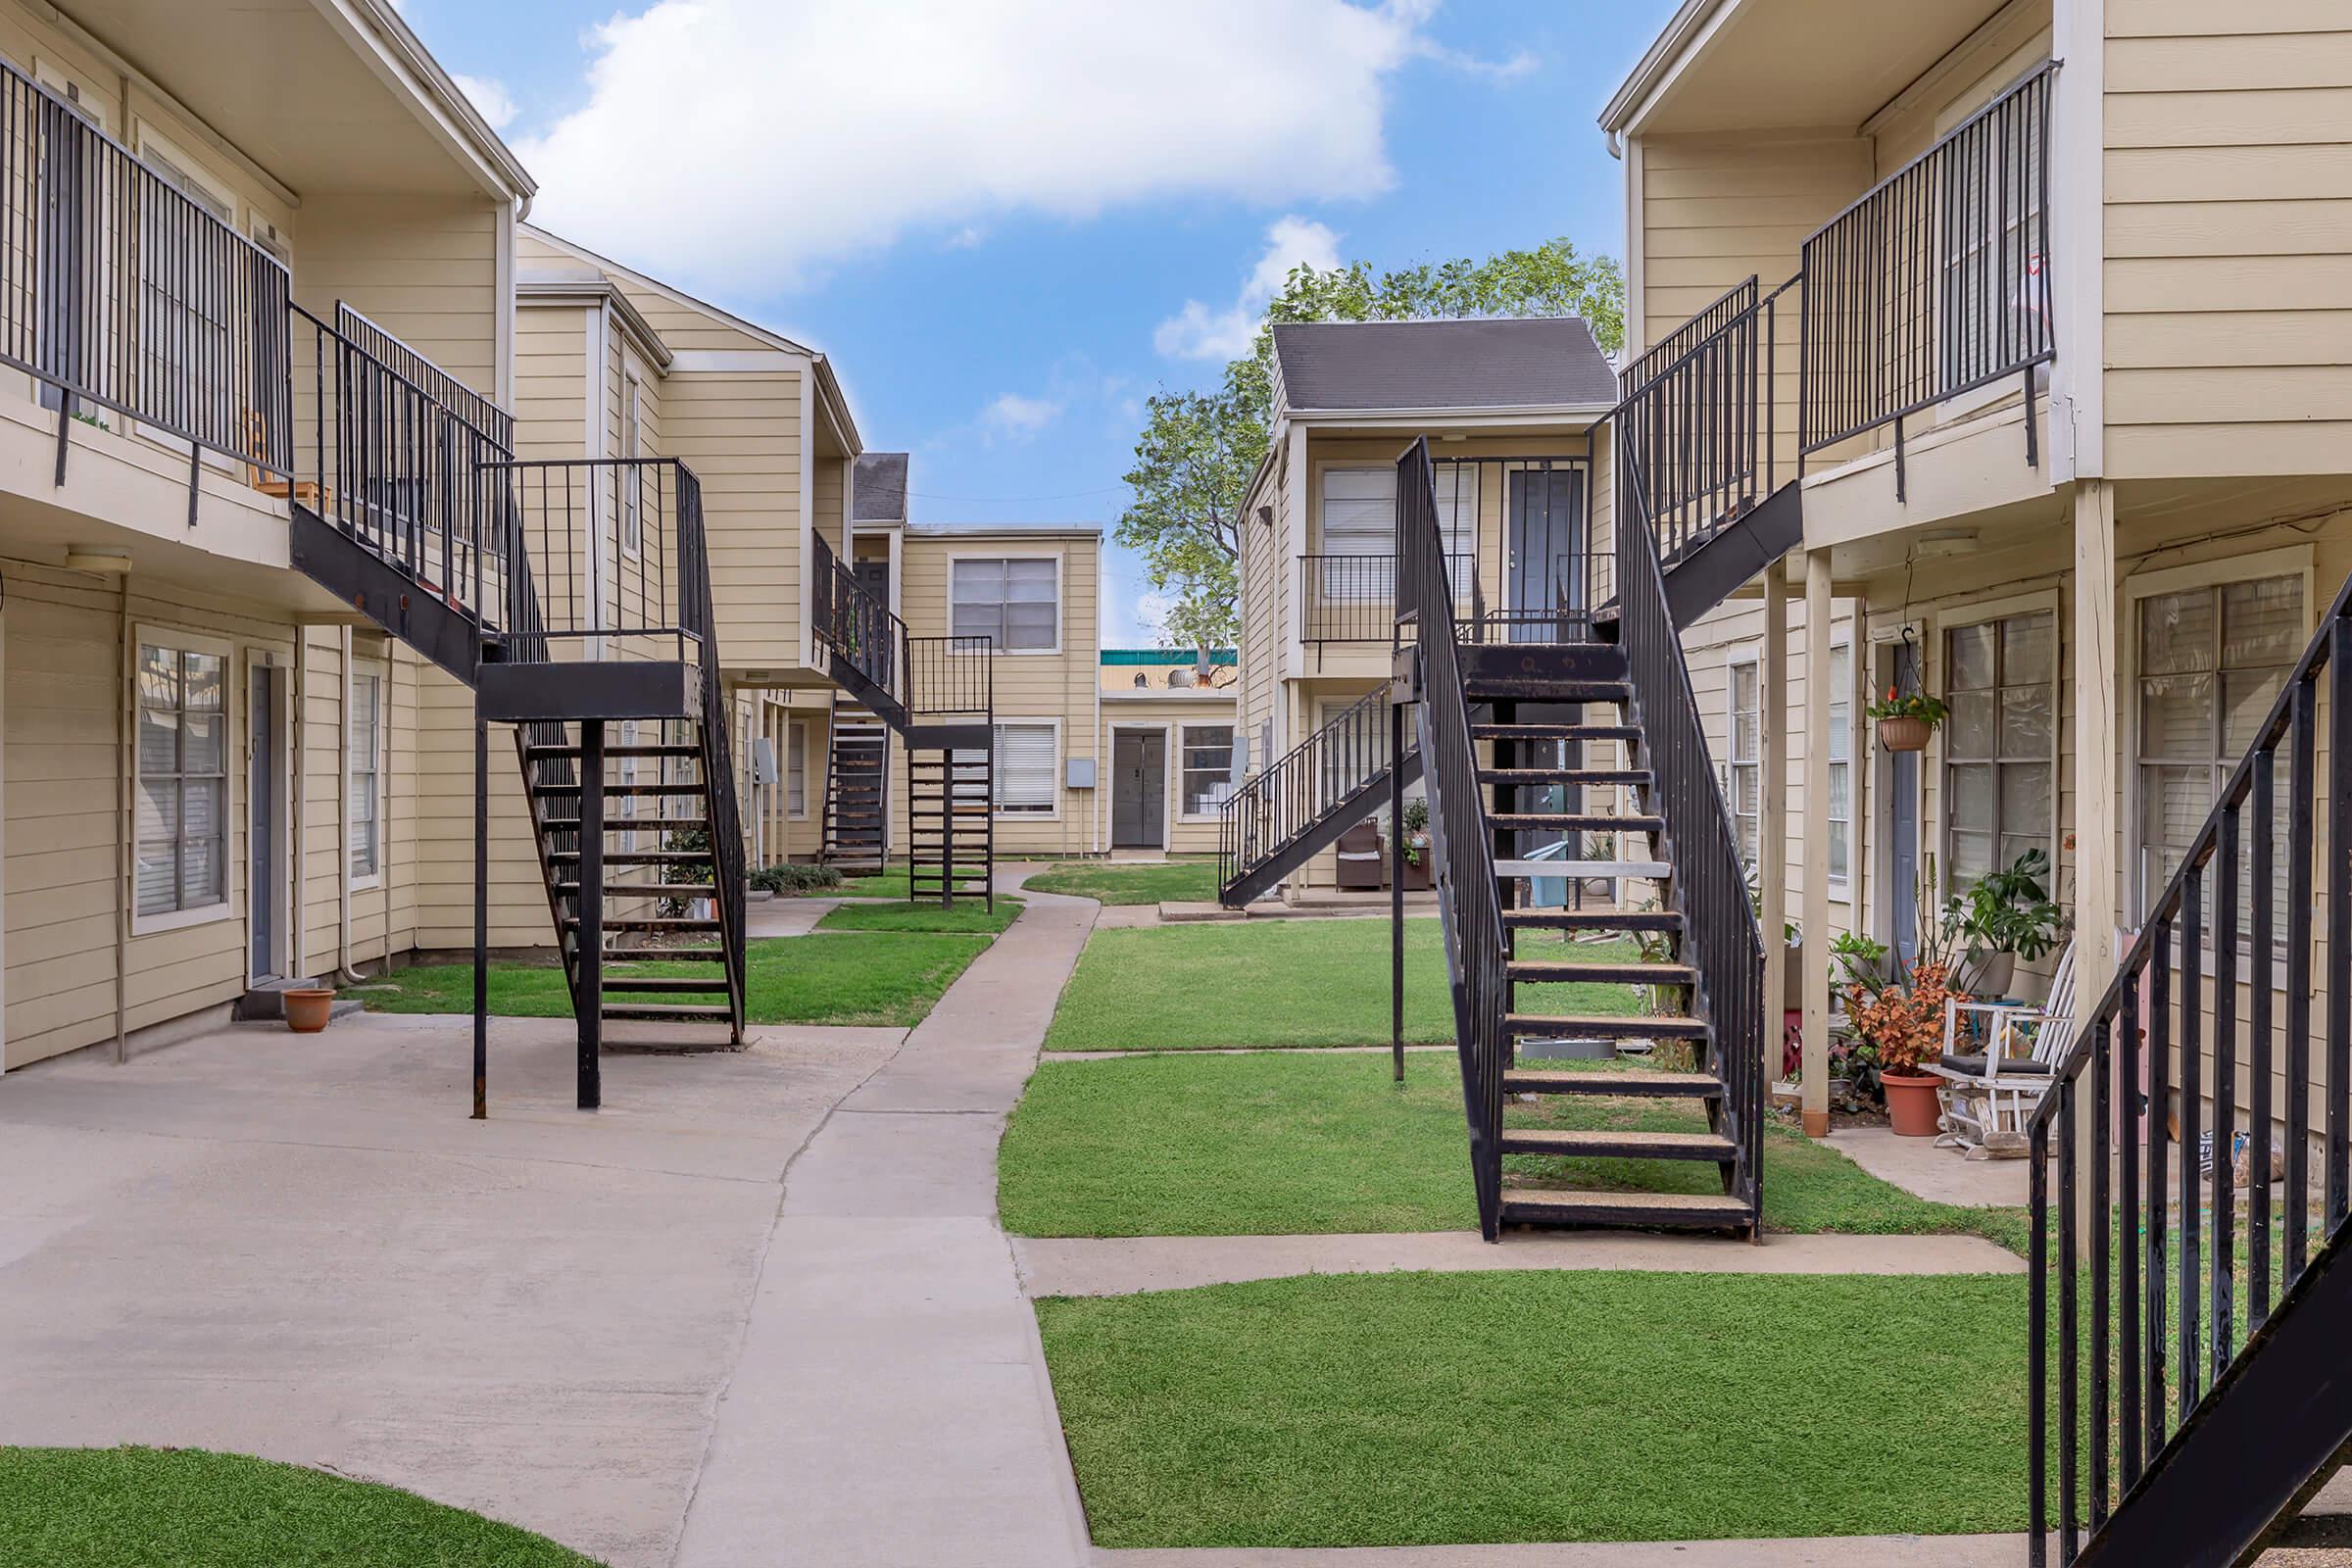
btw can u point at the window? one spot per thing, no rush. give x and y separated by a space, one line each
2000 745
2212 659
1457 512
796 770
1841 813
1994 238
1359 518
632 480
1024 763
185 350
366 729
1208 767
625 767
183 778
1747 758
1014 601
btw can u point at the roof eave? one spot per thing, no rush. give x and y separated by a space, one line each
383 19
1657 62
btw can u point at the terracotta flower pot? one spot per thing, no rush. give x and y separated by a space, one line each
1904 734
307 1008
1911 1104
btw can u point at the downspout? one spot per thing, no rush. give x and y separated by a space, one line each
343 970
125 827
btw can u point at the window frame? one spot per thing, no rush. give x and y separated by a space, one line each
366 669
631 540
159 156
1734 661
957 559
1992 613
182 642
997 810
2291 560
795 740
1842 882
1183 765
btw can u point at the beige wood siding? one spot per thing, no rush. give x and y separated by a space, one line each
2229 229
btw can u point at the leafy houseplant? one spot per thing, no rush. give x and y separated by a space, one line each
2006 916
1416 830
1906 719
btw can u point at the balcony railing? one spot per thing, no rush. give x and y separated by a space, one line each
857 627
1696 442
1937 281
615 558
121 291
1352 599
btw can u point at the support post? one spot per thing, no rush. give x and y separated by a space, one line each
1397 885
2098 785
1815 845
590 904
481 919
1772 814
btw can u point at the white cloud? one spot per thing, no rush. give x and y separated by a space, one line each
1197 332
1018 418
734 143
969 237
490 96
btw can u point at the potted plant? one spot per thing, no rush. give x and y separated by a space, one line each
1900 1026
308 1008
2006 916
1416 843
1906 719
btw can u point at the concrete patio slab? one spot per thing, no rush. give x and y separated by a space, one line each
1123 1266
1939 1175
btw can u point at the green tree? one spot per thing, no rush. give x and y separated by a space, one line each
1198 450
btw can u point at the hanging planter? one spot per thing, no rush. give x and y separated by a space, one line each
1906 719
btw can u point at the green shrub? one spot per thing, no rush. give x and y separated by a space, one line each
790 878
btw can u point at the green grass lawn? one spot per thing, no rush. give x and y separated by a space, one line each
1538 1406
963 914
186 1508
887 977
1315 982
1112 882
1294 1145
889 884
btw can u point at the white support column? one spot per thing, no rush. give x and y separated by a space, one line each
1772 837
1814 847
2098 786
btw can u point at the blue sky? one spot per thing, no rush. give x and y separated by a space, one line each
992 216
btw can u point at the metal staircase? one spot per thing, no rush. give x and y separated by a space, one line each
572 597
1297 807
2191 1378
856 837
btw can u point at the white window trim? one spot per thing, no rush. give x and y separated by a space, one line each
1854 769
382 673
1060 601
1233 729
631 417
1938 680
233 722
2291 561
1003 720
796 727
1747 656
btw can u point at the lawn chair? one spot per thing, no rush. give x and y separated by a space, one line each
1993 1090
1360 859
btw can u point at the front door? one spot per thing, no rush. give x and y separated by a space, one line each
874 575
1139 792
1547 589
265 765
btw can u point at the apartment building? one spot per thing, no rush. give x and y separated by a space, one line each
217 772
1170 719
1509 409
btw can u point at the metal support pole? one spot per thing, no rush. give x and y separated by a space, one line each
590 903
1397 885
481 919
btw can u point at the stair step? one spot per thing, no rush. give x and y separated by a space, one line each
1635 974
1544 689
631 825
668 1013
1576 822
543 754
1565 775
645 890
664 984
1555 732
1654 870
1604 1026
638 857
649 922
665 954
1617 1144
1541 920
1535 1205
1642 1084
622 791
674 1046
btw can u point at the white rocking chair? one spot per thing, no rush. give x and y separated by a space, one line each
1995 1088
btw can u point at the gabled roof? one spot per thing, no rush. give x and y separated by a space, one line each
879 489
1348 366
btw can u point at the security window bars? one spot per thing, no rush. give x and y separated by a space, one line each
2001 744
1014 601
183 779
1208 767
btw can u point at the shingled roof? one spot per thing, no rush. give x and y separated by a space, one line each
880 491
1481 363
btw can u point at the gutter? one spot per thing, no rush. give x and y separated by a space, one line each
1651 70
383 19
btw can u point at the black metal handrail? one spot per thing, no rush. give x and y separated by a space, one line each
1352 599
1709 888
1539 555
697 615
121 290
857 627
1298 791
2150 1022
1937 281
1645 367
948 676
605 539
1696 442
1469 895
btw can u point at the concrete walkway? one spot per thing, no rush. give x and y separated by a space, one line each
1939 1175
1122 1265
890 1405
1843 1551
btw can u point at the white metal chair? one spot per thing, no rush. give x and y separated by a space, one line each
1995 1088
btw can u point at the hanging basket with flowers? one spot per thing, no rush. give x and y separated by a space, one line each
1906 719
